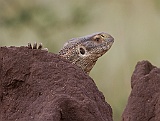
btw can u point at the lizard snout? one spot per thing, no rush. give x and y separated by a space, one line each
110 39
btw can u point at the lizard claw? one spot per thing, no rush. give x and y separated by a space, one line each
29 46
40 47
35 45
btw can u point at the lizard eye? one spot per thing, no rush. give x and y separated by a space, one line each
102 35
82 51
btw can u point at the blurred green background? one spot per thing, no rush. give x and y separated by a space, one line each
135 25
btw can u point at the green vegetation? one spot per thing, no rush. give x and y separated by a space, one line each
134 24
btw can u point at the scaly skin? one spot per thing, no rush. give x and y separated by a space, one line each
85 51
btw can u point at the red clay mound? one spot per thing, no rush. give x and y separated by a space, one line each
144 100
39 86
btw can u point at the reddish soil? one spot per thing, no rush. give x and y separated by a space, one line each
144 100
39 86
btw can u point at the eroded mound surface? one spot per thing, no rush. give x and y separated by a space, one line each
144 100
39 86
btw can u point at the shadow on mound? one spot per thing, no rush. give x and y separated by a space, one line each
39 86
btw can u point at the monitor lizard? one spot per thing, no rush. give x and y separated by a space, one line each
84 51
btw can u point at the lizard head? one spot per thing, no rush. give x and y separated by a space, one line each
84 51
95 45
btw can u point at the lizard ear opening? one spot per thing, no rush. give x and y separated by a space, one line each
82 51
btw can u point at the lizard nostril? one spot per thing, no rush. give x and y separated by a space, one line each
82 51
